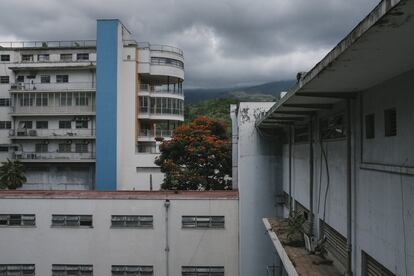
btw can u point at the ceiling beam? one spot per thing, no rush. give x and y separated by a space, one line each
292 112
310 106
335 95
272 117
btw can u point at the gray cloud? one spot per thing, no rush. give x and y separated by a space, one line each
225 42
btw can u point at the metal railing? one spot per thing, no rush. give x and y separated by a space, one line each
161 89
157 133
155 47
52 109
50 133
53 86
54 155
49 44
160 111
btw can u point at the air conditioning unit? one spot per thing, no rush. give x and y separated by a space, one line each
85 142
31 156
21 132
11 132
32 132
68 142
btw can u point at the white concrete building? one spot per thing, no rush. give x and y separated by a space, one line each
339 150
118 233
77 116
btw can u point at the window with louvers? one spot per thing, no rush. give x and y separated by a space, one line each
119 221
371 267
72 220
203 222
202 271
132 270
17 269
63 270
335 242
17 220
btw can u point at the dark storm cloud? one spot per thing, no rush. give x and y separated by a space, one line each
225 42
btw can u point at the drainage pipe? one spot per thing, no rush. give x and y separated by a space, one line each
311 175
348 189
167 246
290 168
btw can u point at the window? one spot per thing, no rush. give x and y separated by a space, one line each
20 79
17 220
41 148
42 99
4 57
333 127
65 99
4 101
43 57
202 222
62 78
81 99
132 270
143 103
63 270
4 149
17 269
26 99
370 126
82 56
167 61
202 271
28 58
5 124
72 220
81 148
65 124
65 147
390 122
81 124
4 79
26 124
371 267
132 221
42 124
66 57
45 79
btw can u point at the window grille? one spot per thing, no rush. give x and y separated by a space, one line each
390 122
4 57
4 79
132 270
203 222
132 221
82 56
333 127
45 79
5 124
4 101
62 78
72 220
17 220
335 242
66 57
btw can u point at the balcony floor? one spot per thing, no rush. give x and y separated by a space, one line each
296 260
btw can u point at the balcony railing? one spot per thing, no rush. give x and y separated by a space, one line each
155 47
161 89
54 156
53 133
160 111
157 133
50 44
56 87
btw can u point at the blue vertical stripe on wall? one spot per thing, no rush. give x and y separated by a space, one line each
106 103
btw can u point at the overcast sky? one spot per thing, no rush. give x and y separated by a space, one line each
225 42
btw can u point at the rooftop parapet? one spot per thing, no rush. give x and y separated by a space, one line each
48 44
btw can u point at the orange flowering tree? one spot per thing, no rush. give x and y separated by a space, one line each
198 157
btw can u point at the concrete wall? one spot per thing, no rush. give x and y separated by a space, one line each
103 246
259 161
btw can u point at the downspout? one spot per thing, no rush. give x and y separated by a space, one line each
311 175
348 189
167 246
290 168
234 141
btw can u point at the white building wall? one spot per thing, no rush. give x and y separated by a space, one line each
259 185
103 246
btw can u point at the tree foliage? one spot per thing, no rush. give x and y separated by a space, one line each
198 157
12 174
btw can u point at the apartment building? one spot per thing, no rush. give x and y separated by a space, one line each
118 233
68 107
337 150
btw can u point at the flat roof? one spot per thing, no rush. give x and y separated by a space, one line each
379 48
93 194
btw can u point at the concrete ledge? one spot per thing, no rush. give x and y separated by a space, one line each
287 264
387 168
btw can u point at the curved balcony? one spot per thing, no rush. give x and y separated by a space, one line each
168 91
150 135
